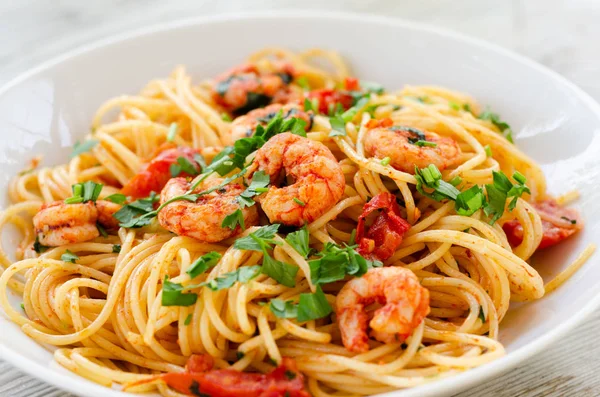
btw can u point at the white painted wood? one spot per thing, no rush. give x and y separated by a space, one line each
562 34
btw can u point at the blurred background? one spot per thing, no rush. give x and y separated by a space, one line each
561 34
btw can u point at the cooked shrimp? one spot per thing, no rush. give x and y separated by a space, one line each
405 305
203 218
244 126
403 146
59 223
244 87
317 179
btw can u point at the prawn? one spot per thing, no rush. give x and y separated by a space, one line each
245 87
317 180
405 305
58 223
202 219
244 126
407 147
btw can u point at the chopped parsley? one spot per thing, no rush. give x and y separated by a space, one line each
84 192
226 117
136 213
117 198
310 307
116 248
172 132
101 230
302 81
283 309
172 295
38 247
188 319
572 221
335 262
183 165
385 161
473 199
259 184
233 220
481 314
203 263
313 306
262 241
68 256
242 275
370 86
299 202
488 150
299 241
494 118
85 146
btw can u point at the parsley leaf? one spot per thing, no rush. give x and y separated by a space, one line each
38 247
68 256
116 248
338 126
84 192
203 263
138 213
172 132
172 295
242 275
302 81
234 219
299 241
500 191
313 306
282 272
431 178
255 241
260 181
371 87
183 165
469 201
117 198
494 118
85 146
283 309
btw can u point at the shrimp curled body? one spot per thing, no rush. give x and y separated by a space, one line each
405 305
244 126
58 223
203 218
317 179
407 147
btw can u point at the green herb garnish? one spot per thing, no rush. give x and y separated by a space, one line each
203 263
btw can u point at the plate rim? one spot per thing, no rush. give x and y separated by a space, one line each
455 383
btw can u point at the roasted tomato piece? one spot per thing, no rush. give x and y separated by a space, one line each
156 173
558 223
200 379
386 233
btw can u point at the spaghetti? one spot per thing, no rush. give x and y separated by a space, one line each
132 301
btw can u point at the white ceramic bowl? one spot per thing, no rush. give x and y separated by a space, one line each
45 110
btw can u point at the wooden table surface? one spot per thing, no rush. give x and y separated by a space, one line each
561 34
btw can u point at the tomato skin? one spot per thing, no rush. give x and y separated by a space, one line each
330 98
552 233
155 174
200 379
386 233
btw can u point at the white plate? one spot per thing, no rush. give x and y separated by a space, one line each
45 110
